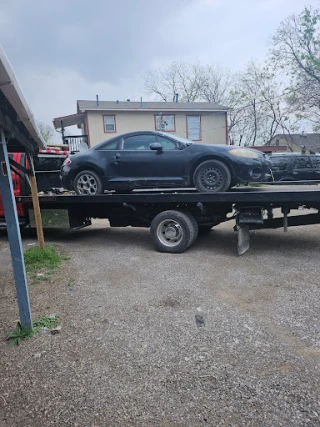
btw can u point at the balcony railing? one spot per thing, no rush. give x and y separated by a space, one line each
76 142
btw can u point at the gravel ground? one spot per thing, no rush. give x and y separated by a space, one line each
201 338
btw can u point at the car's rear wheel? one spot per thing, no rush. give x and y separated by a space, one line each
212 176
173 231
87 183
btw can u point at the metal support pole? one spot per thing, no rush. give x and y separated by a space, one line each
14 237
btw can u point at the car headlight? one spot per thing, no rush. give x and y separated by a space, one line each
245 152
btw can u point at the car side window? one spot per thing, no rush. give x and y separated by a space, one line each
166 143
113 145
302 163
279 164
139 142
316 162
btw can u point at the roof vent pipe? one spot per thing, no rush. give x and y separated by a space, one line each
97 100
177 97
141 102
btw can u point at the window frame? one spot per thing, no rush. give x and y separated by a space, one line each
165 115
200 130
104 125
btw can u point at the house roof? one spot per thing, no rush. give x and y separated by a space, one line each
71 120
16 117
149 106
311 141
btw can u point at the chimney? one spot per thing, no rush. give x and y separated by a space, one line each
141 102
177 97
97 100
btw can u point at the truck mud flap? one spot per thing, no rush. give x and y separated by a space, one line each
243 239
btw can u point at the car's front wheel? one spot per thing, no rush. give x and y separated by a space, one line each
87 183
212 176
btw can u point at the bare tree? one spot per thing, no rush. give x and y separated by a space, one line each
192 81
296 51
46 131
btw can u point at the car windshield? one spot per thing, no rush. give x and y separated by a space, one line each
184 141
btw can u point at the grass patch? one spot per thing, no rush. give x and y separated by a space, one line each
36 259
47 322
20 333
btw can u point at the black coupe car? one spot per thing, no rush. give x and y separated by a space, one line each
149 159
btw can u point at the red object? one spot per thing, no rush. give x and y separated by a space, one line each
17 187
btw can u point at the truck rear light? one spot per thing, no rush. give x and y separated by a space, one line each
66 162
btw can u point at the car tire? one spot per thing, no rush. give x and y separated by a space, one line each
212 176
173 231
87 183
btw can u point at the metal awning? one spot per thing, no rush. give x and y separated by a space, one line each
66 121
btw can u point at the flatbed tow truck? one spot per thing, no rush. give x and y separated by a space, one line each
175 217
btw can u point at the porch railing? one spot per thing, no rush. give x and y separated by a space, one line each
74 141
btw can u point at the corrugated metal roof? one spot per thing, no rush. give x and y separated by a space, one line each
84 105
12 92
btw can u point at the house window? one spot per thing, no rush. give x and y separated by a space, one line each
109 124
194 128
165 123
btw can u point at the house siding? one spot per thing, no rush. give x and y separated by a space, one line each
213 125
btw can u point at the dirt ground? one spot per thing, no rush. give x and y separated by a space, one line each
201 338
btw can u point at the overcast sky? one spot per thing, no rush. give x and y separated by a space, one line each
62 51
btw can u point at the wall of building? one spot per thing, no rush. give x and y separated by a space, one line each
213 125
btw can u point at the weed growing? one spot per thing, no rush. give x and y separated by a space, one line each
20 333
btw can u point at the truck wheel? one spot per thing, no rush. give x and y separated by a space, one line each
87 183
172 231
195 228
212 176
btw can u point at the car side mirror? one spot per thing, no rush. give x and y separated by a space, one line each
156 146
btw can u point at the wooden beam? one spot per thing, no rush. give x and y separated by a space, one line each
14 237
35 202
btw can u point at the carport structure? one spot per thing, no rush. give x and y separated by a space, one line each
18 133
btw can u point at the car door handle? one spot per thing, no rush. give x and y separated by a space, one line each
117 156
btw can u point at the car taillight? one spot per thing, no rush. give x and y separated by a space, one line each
66 162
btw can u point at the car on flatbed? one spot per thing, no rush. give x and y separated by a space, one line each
148 159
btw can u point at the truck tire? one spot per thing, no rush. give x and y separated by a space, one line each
195 227
87 183
212 176
173 231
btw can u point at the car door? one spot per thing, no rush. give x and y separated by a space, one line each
107 159
138 162
302 169
315 160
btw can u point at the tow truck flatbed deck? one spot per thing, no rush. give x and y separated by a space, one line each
176 216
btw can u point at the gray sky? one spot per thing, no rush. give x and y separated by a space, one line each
62 51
